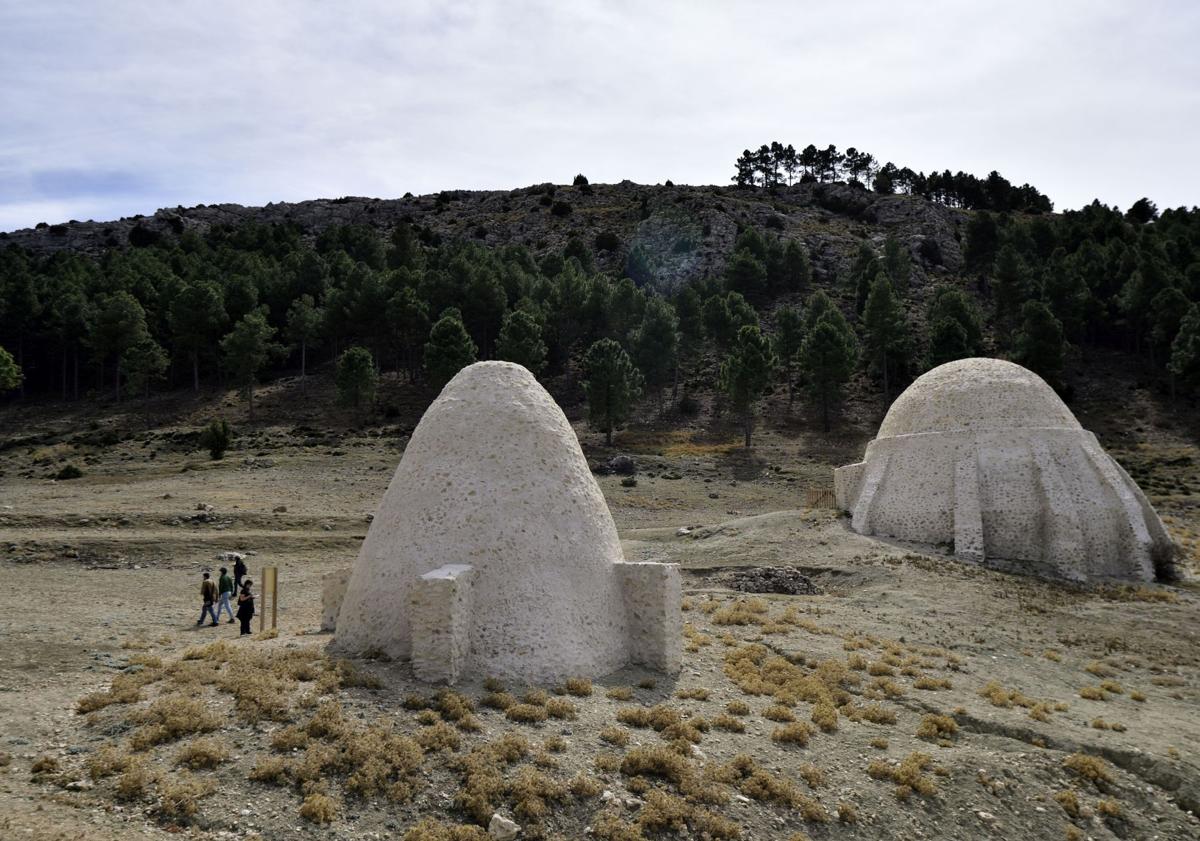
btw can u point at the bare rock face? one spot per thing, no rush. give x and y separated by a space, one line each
494 553
982 454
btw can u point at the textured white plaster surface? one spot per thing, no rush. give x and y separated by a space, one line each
984 454
494 478
333 591
652 597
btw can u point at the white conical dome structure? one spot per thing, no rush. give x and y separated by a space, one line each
981 453
493 549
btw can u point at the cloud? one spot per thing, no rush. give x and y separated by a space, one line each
118 110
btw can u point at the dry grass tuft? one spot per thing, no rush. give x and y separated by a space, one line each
778 712
205 752
797 733
737 708
937 727
615 736
932 683
179 799
527 713
846 813
170 718
1091 768
580 687
561 708
431 829
1069 801
319 808
825 716
908 776
107 761
693 694
620 693
729 723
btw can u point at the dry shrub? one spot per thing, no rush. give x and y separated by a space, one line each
1040 712
615 736
43 766
328 722
846 813
931 683
585 785
1093 693
656 761
580 687
737 708
205 752
937 727
179 798
107 761
440 736
620 693
1137 696
879 744
170 718
797 733
647 683
1069 801
555 744
125 689
879 669
134 783
693 694
271 769
877 714
607 763
498 700
380 761
483 772
289 738
825 716
778 712
1113 687
561 708
742 612
536 697
1109 808
526 713
812 775
532 792
349 676
1091 768
319 808
729 723
452 705
908 776
431 829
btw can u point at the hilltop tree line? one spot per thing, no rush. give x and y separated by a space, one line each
773 165
233 304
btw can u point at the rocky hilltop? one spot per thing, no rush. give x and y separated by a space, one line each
685 232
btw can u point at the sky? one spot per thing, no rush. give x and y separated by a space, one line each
113 108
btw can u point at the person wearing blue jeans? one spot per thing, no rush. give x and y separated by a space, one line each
224 594
208 593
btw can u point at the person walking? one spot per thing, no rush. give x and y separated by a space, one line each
245 611
208 595
224 594
239 572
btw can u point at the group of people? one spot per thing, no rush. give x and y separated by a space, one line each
216 596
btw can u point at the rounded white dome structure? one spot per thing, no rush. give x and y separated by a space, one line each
493 552
983 455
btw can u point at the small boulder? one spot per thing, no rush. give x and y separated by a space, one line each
503 829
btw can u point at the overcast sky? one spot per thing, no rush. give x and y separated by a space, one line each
114 108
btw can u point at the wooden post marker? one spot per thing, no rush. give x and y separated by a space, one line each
270 589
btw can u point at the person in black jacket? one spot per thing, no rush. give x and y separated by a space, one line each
245 611
239 571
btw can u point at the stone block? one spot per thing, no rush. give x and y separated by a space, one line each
652 594
333 591
440 620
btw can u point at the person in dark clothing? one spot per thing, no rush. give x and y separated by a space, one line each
208 594
245 611
239 572
225 592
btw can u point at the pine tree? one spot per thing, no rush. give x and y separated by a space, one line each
955 327
886 332
196 317
983 238
521 341
724 315
789 336
356 378
897 263
1011 284
827 359
145 364
119 326
247 349
1039 342
10 372
303 327
612 385
656 345
746 373
862 274
448 350
1184 365
408 319
746 274
797 270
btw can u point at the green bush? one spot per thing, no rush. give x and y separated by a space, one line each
215 438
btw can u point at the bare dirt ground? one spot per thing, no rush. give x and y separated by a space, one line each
955 691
